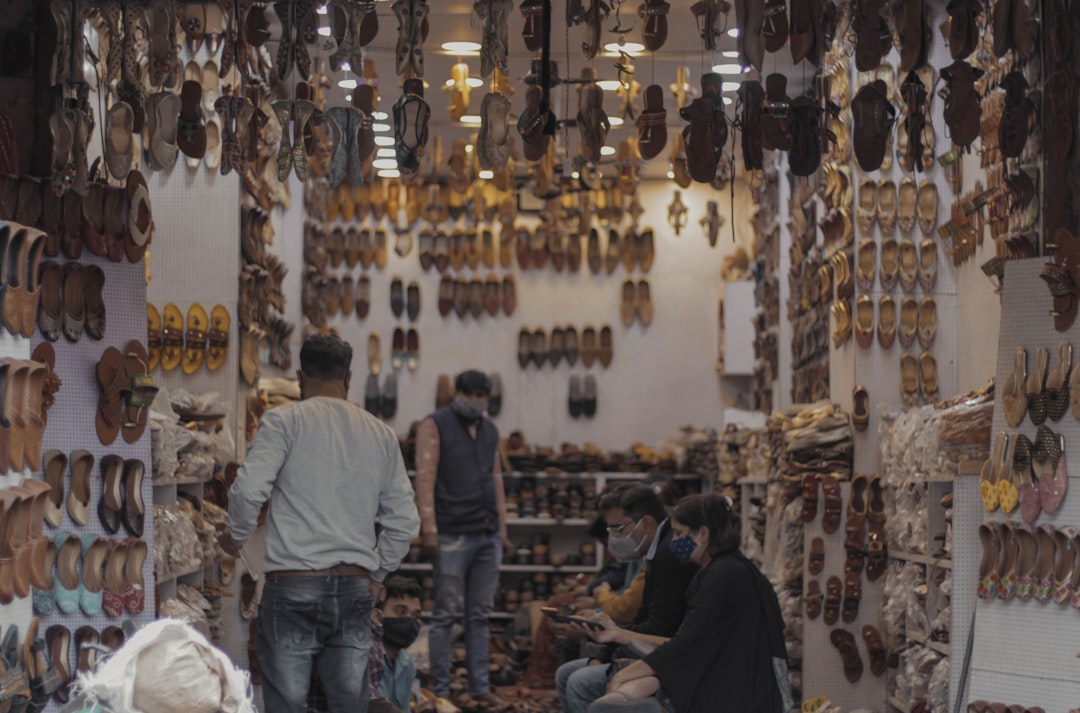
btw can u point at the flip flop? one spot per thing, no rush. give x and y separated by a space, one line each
652 123
220 325
195 338
172 338
153 336
654 29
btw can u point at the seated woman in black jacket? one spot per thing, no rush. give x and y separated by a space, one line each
728 654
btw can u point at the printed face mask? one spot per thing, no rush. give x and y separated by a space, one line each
683 548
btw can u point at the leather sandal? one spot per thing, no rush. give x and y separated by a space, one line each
830 520
138 392
195 338
833 591
816 560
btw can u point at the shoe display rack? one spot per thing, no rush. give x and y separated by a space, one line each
1006 559
922 453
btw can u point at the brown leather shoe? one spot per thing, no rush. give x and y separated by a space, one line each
558 346
628 305
646 250
492 298
539 348
593 251
461 298
476 298
607 346
588 346
446 296
524 347
570 339
509 295
644 303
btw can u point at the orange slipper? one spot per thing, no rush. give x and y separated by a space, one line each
195 337
172 333
153 335
219 338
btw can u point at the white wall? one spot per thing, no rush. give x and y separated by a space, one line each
662 377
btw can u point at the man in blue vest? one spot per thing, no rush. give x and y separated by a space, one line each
459 493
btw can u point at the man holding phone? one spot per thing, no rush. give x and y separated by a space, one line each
638 528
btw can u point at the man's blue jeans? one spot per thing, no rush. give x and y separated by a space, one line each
465 579
304 620
579 684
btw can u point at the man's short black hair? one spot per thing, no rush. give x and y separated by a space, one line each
473 383
637 501
325 356
399 587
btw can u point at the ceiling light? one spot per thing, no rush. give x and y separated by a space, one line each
616 120
486 175
324 31
347 83
384 140
449 83
731 86
607 150
733 32
380 128
728 100
575 175
671 175
470 119
348 97
628 47
468 148
609 85
389 173
474 82
462 47
385 163
727 69
346 66
730 54
321 10
386 153
379 115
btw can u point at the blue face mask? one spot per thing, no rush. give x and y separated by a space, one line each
683 548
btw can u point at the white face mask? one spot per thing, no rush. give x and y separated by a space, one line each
624 547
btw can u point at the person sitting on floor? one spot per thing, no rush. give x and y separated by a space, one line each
395 624
729 650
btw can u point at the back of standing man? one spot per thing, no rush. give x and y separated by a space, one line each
462 506
331 469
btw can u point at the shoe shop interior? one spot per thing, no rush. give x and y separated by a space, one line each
722 287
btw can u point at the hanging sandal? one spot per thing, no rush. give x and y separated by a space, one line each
1057 384
139 392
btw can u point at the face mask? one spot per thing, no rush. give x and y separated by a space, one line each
467 408
400 631
683 548
624 548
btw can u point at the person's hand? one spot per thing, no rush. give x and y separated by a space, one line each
611 633
377 590
507 545
225 542
429 546
604 587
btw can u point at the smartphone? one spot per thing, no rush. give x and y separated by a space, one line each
561 618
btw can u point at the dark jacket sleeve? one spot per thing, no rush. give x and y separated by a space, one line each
666 582
708 621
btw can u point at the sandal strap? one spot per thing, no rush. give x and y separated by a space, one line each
196 339
173 337
219 338
153 338
142 392
652 118
657 9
